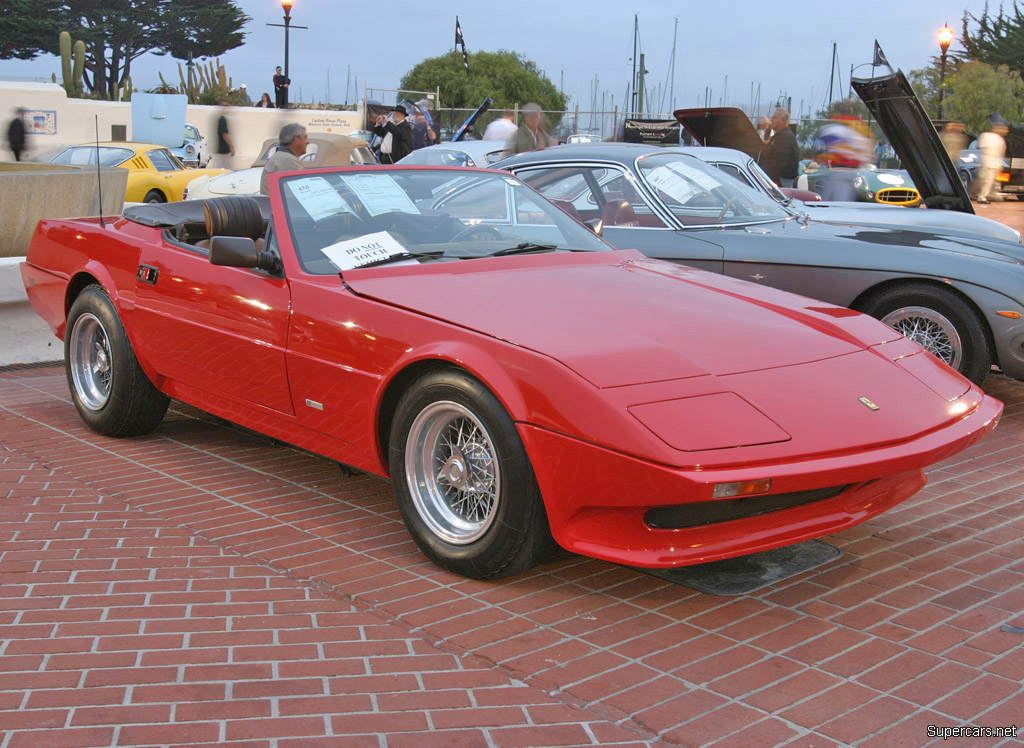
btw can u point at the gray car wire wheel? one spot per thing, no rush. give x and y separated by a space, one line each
930 330
463 480
939 320
452 471
108 386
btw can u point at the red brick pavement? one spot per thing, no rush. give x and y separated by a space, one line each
202 586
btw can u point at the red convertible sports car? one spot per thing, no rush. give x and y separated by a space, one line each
519 380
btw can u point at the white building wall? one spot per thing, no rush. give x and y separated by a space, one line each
76 120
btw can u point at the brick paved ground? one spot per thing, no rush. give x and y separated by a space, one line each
204 587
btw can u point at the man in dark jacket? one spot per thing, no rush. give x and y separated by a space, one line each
783 151
396 136
16 134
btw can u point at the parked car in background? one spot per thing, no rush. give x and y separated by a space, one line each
324 149
870 184
968 163
582 137
521 383
194 151
961 298
951 212
155 175
463 153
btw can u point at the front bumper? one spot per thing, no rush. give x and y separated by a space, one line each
597 499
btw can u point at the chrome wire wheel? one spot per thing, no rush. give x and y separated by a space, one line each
930 330
452 472
90 361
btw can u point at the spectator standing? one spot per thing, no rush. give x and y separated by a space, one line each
764 129
265 102
422 133
783 151
224 155
281 84
292 142
245 95
503 128
396 135
16 134
530 136
954 139
992 146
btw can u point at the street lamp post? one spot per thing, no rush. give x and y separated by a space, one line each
287 6
945 37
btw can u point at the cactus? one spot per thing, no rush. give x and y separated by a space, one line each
78 52
209 83
72 64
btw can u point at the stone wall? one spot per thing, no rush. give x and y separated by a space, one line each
30 192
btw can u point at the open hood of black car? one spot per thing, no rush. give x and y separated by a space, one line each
721 127
892 102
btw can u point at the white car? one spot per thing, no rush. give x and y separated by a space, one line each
194 150
324 149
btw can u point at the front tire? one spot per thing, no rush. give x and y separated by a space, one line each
463 480
111 392
940 322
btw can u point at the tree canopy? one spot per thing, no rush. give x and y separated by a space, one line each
505 76
998 40
977 90
119 31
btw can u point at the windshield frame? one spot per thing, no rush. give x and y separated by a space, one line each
431 209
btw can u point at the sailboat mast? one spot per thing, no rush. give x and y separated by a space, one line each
831 74
636 36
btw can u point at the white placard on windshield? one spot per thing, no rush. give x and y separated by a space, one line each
317 197
671 183
379 194
354 253
702 179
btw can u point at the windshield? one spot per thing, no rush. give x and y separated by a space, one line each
349 219
699 194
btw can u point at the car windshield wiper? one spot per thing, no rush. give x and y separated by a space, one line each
523 248
403 256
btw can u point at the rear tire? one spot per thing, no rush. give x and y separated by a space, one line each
111 392
154 196
463 480
940 322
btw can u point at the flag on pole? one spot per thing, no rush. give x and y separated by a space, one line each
879 57
460 41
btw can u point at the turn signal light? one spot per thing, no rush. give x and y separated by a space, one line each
741 488
1011 315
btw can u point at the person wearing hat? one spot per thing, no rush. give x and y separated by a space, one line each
281 83
396 135
245 94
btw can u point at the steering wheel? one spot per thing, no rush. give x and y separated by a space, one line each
480 233
725 208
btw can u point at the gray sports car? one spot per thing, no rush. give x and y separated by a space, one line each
961 298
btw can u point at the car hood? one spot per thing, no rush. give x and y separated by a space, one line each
242 182
619 318
721 127
892 102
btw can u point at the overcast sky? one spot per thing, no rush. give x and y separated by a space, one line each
734 48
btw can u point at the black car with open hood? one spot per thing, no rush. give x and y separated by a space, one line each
899 113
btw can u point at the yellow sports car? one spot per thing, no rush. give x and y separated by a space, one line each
155 175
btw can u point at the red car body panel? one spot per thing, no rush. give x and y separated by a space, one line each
605 361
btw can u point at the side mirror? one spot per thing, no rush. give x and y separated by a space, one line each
241 252
595 224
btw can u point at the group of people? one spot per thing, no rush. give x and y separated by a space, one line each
399 137
529 136
280 101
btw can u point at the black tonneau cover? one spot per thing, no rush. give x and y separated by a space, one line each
169 215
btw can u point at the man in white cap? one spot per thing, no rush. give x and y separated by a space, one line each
245 94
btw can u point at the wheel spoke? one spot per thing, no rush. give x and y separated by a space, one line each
452 472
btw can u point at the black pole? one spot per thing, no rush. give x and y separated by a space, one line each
287 26
942 80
